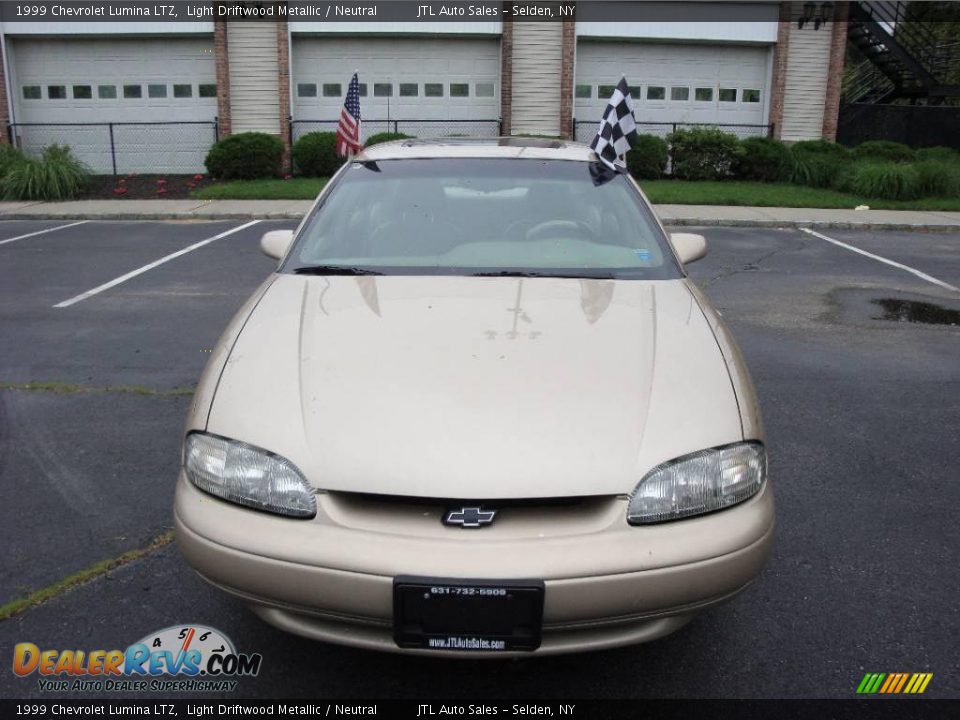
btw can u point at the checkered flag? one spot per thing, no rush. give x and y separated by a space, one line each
618 129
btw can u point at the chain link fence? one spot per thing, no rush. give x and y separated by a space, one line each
119 148
584 131
415 128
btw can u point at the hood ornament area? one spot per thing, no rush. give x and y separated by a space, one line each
469 517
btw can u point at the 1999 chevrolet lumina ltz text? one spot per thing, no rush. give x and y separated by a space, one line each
479 407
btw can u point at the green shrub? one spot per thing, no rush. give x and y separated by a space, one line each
385 137
55 175
703 153
245 156
820 147
9 156
315 154
647 158
937 178
819 163
939 152
886 181
885 150
763 159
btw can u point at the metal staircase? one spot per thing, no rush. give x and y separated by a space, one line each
902 58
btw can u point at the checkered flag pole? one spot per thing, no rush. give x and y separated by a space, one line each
618 129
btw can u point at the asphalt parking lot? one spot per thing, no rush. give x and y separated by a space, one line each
862 415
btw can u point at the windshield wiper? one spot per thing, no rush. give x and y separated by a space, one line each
574 274
334 270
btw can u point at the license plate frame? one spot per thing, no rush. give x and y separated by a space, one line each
467 614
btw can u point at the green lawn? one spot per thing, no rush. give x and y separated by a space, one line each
736 192
267 189
676 192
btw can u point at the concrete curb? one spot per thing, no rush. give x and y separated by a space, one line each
673 222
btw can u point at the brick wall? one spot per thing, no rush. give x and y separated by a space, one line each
223 75
567 51
838 50
506 76
4 104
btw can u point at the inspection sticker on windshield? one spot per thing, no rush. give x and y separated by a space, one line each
643 254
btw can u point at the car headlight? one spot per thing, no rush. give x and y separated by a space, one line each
699 483
247 475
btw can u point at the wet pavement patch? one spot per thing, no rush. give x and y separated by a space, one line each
914 311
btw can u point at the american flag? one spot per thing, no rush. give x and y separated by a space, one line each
348 130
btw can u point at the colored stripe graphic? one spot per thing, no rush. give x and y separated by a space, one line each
894 683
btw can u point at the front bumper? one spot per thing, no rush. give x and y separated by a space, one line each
607 583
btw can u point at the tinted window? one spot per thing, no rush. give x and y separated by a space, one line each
433 89
157 91
207 90
409 89
32 92
727 95
463 216
132 91
703 94
751 96
332 90
56 92
182 91
680 93
82 92
656 93
107 92
584 91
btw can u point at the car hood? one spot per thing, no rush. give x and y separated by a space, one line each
481 388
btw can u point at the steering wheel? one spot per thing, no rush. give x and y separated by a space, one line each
564 228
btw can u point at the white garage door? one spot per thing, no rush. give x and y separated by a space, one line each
429 86
60 83
675 83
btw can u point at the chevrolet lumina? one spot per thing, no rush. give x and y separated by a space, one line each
478 407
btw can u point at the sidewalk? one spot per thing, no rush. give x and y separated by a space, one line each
674 215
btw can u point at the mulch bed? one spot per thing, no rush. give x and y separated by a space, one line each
143 187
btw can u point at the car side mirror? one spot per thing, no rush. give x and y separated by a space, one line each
276 243
689 246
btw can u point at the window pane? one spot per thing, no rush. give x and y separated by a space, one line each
584 91
32 92
332 90
157 91
727 95
605 91
56 92
751 96
656 93
459 90
703 94
207 90
183 91
409 90
363 89
383 89
82 92
680 93
107 92
635 91
433 89
306 90
483 90
132 91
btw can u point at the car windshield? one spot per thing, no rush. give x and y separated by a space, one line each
475 216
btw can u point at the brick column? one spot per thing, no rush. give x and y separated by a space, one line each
838 54
283 63
4 104
506 76
568 49
222 63
779 81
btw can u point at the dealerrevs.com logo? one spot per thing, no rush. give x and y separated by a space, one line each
187 658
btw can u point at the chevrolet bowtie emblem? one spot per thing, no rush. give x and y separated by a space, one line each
469 517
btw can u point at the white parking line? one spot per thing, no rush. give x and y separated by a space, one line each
151 266
891 263
43 232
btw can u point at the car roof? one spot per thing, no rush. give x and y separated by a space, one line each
502 147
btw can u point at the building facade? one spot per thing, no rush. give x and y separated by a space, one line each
139 96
